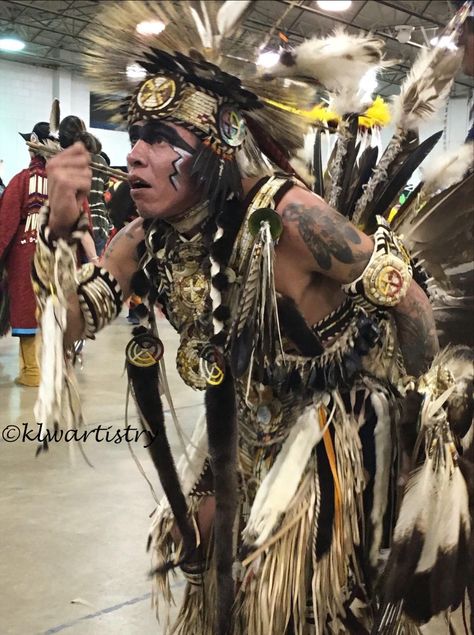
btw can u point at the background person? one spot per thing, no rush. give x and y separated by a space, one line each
23 197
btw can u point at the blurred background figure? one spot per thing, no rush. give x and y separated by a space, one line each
72 129
2 184
19 207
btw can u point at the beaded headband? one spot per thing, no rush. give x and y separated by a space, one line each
207 101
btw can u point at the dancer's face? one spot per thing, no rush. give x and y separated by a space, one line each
159 167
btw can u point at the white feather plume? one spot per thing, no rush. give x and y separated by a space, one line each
417 502
212 25
447 169
349 100
203 28
338 63
230 14
278 488
449 514
426 88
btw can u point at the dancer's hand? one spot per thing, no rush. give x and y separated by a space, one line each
69 183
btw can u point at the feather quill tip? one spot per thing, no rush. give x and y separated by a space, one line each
54 118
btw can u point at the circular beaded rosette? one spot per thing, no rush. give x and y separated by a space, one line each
188 359
144 350
159 95
386 280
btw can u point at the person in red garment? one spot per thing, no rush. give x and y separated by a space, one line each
20 203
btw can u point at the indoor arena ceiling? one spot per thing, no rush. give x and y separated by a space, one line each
55 31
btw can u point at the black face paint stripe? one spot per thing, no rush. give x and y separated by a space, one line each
134 134
156 131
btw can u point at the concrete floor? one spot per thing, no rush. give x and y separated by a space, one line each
73 537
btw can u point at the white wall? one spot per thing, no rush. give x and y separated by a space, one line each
26 95
454 122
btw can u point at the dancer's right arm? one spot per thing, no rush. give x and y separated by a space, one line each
69 180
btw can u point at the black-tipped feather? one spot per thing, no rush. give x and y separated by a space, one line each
398 177
318 185
383 174
349 160
361 176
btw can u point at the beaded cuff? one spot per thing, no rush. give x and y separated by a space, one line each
385 280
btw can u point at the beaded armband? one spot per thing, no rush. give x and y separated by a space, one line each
385 280
100 298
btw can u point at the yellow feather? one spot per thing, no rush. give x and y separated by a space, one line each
378 114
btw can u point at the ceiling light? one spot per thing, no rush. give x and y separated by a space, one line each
404 33
268 59
444 42
334 5
11 42
136 72
150 27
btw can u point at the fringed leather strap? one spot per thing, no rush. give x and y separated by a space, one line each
145 385
222 433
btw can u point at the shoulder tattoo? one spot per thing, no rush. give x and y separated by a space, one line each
326 233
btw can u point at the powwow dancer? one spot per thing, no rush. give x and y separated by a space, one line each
21 201
302 330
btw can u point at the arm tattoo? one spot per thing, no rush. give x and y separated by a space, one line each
112 245
416 331
130 233
326 233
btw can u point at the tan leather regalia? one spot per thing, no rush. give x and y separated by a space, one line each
301 443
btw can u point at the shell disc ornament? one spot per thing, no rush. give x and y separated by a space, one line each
144 350
231 126
266 215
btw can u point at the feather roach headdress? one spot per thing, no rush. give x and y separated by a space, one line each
185 81
188 78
